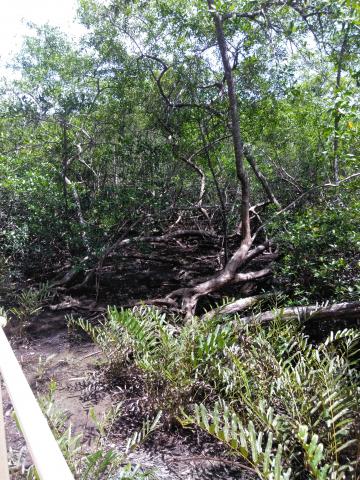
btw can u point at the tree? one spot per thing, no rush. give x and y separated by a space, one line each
172 117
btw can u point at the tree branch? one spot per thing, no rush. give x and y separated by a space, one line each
338 311
260 176
237 306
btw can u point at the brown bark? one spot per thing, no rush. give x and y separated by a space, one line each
260 176
235 124
338 311
237 306
229 274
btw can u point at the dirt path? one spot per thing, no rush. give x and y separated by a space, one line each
50 353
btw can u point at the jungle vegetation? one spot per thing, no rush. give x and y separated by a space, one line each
194 160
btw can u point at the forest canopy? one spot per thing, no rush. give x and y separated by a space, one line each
230 123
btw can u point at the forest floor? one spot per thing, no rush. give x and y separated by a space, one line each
49 352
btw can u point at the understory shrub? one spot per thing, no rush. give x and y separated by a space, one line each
322 245
95 462
287 407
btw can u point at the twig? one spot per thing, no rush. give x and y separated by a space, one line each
91 355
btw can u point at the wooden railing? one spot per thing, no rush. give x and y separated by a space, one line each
44 450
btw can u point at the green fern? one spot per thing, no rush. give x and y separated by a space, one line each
225 425
140 436
272 380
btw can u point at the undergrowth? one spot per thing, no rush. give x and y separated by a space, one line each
288 408
98 461
95 462
30 303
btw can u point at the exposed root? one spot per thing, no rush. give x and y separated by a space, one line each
228 276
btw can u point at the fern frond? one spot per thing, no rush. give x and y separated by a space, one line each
225 425
140 436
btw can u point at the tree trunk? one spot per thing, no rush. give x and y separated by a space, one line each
228 275
260 176
79 214
235 125
237 306
337 112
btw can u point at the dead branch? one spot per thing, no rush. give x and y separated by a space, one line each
237 306
295 202
121 242
338 311
165 238
246 277
260 176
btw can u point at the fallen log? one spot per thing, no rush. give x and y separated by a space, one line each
337 311
237 306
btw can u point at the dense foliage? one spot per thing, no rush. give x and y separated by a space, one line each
322 259
187 154
279 402
113 129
